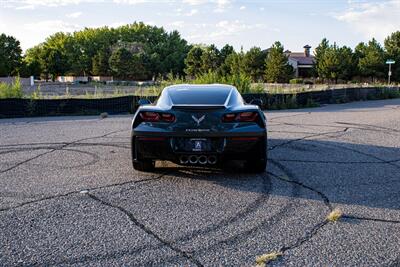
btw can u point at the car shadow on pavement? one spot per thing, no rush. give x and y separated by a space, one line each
346 173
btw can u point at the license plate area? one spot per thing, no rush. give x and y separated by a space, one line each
197 144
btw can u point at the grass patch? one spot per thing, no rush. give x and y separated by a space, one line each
334 216
264 259
13 90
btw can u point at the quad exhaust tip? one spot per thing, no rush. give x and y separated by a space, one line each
184 159
212 160
203 160
194 159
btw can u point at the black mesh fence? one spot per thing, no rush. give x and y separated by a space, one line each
128 104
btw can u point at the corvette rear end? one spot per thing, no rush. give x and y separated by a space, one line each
202 125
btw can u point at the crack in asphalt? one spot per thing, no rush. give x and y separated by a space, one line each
335 162
135 221
369 125
264 196
307 236
264 225
79 191
390 162
314 230
55 149
289 116
305 137
351 217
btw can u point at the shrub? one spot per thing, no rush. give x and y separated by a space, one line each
240 81
257 88
37 94
207 78
11 91
296 81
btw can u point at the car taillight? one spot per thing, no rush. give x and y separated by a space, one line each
167 117
230 117
149 116
240 117
247 116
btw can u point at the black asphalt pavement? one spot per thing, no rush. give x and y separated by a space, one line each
70 197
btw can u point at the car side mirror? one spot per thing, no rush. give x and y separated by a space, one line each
143 102
257 102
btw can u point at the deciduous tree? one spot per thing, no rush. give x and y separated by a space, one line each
10 55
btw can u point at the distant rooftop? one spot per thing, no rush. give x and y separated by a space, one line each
302 58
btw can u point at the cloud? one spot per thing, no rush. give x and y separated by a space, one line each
51 3
195 2
33 4
131 2
226 28
377 19
192 12
221 5
50 27
242 8
74 15
117 24
25 7
177 24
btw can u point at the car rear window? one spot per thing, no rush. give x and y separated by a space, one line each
199 96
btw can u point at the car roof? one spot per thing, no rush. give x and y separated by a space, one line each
207 87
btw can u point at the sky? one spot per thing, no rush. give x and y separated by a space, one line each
240 23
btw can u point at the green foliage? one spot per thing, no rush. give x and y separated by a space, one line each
11 91
392 47
240 81
125 65
234 63
225 52
138 51
194 61
319 56
210 59
88 51
10 55
296 81
37 94
100 66
254 63
207 78
257 88
371 59
277 65
333 62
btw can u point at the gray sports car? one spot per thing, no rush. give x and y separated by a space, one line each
199 125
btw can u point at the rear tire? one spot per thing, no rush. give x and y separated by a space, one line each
143 165
256 166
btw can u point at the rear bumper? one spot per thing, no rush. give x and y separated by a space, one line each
228 146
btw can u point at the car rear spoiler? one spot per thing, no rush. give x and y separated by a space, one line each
198 107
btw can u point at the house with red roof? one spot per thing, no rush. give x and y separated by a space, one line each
302 62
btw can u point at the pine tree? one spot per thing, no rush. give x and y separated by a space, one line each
371 61
193 61
392 47
277 68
